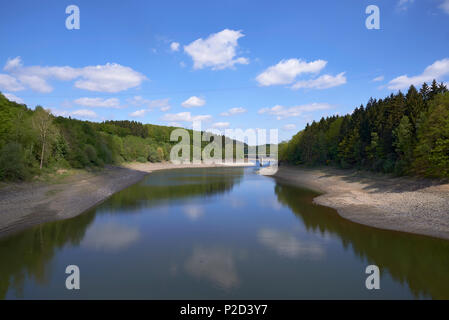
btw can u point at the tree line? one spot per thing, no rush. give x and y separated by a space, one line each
404 134
35 141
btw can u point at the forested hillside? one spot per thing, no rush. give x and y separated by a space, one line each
34 141
401 134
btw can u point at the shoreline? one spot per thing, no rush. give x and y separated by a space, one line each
419 206
23 205
413 205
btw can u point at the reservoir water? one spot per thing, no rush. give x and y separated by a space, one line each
219 233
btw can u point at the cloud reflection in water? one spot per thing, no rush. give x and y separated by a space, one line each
286 244
193 212
110 236
214 264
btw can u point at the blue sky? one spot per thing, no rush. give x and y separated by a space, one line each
237 64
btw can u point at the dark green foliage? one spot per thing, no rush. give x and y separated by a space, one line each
402 134
432 150
12 162
91 154
73 143
404 143
124 128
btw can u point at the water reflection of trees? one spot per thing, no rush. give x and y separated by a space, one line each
26 255
421 262
175 185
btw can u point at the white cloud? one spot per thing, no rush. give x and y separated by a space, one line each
289 127
84 113
233 111
437 70
286 71
59 113
81 113
193 101
218 51
378 79
35 83
403 4
185 117
282 112
323 82
139 113
9 83
12 97
220 125
35 77
110 77
445 6
174 46
99 102
161 104
12 63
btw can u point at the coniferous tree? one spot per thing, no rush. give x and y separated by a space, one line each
405 134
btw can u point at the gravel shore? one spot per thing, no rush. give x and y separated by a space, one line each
405 204
23 205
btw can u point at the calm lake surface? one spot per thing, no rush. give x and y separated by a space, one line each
219 233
